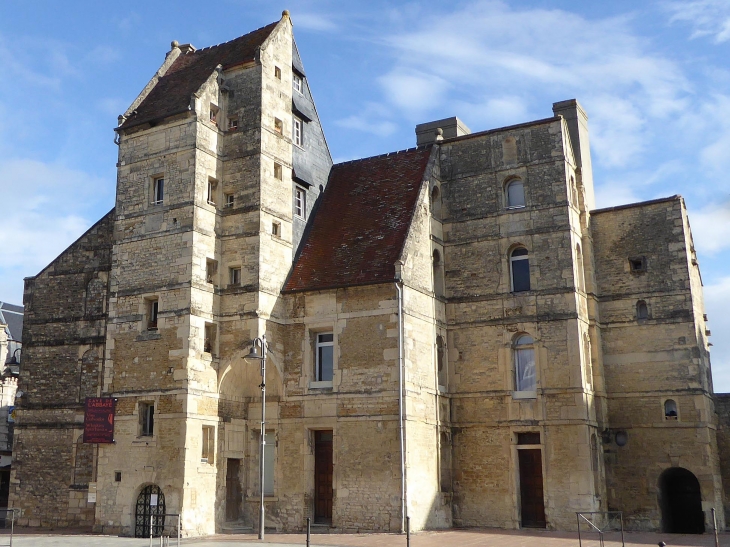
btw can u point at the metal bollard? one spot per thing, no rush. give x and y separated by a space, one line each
309 529
714 527
408 531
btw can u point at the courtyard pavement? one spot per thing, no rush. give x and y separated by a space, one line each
456 538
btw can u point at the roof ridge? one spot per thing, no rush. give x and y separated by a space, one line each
423 146
233 39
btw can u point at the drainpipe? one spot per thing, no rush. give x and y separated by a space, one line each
401 380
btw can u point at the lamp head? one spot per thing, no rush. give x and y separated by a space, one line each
256 353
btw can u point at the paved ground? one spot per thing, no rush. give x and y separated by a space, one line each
456 538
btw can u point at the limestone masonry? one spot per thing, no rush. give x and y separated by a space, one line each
452 329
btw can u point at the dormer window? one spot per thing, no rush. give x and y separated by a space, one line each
297 83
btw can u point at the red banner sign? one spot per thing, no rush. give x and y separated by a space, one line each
99 420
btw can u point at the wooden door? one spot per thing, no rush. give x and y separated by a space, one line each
531 494
323 477
233 490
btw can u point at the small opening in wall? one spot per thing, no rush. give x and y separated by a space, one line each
637 264
670 410
152 309
277 73
278 171
234 276
214 113
117 476
232 123
276 229
278 126
230 201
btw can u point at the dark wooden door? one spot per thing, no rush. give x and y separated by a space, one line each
233 490
323 477
531 495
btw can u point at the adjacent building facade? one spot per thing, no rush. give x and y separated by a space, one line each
455 333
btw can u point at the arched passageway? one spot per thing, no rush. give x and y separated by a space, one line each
150 509
680 500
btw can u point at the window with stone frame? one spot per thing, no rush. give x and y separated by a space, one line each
211 271
146 418
234 276
230 201
523 351
514 192
519 270
158 190
153 307
211 194
209 338
441 368
207 454
324 357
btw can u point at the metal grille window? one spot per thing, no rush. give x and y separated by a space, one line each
150 511
325 357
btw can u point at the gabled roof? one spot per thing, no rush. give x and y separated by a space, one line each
359 229
12 316
190 70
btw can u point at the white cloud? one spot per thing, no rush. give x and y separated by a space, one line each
313 21
381 128
717 302
486 49
711 228
707 17
52 205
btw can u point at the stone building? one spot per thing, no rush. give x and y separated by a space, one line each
455 332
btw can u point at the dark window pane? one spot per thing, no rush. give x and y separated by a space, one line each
326 337
325 364
528 438
521 275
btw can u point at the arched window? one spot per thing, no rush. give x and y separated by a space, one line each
519 265
588 359
574 193
642 311
524 356
580 274
435 201
670 410
441 362
515 193
438 275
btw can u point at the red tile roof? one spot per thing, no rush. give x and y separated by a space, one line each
172 93
361 224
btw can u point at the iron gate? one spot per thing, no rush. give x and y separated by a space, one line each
148 513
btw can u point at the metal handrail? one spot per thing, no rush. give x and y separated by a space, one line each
581 515
164 515
12 511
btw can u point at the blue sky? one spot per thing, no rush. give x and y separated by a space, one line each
653 77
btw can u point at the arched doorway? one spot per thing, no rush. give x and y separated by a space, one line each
150 505
680 500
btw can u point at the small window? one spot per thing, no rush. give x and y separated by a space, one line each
278 171
212 185
117 476
276 229
515 193
300 202
214 113
277 73
581 277
438 274
158 191
524 357
230 200
297 129
441 362
670 410
637 264
528 438
211 269
297 83
152 310
207 454
146 419
642 310
436 202
520 270
325 357
233 123
278 126
234 276
209 338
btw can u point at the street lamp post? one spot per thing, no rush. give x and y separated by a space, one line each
258 353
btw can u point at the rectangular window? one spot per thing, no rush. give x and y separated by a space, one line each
277 73
212 185
234 276
278 171
158 191
214 113
211 269
297 132
278 126
528 438
300 202
146 419
525 369
297 82
209 338
325 357
269 461
230 200
276 229
207 454
233 123
152 309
